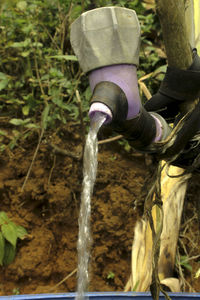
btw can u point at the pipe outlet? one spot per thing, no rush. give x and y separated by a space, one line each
106 42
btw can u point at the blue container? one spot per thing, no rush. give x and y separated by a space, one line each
104 296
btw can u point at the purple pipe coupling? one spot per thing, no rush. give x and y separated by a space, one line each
125 77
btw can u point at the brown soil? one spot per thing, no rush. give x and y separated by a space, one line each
49 207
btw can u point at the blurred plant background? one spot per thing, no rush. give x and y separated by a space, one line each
39 74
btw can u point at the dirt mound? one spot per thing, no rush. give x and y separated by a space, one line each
49 207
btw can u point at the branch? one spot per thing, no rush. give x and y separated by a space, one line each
172 20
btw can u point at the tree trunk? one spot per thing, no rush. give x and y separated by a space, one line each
172 19
176 39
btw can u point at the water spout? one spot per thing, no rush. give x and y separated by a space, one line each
89 177
111 64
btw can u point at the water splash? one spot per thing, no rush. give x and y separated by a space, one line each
89 177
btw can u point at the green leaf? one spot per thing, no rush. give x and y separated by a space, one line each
76 11
25 110
9 232
2 148
3 84
65 57
32 125
88 94
21 232
2 248
184 262
159 70
53 72
3 76
45 116
9 253
16 122
19 122
16 291
22 5
2 132
4 218
160 77
37 45
22 44
13 101
25 53
111 275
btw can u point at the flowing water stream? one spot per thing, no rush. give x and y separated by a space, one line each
89 177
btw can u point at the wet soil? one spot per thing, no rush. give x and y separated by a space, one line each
48 208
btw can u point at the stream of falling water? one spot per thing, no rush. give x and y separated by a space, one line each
89 177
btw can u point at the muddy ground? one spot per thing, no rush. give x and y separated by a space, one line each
48 208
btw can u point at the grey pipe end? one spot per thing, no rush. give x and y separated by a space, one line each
106 36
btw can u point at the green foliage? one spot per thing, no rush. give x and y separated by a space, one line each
9 233
184 263
110 275
33 67
113 157
16 291
124 143
38 68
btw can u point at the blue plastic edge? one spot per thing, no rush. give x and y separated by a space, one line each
102 296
